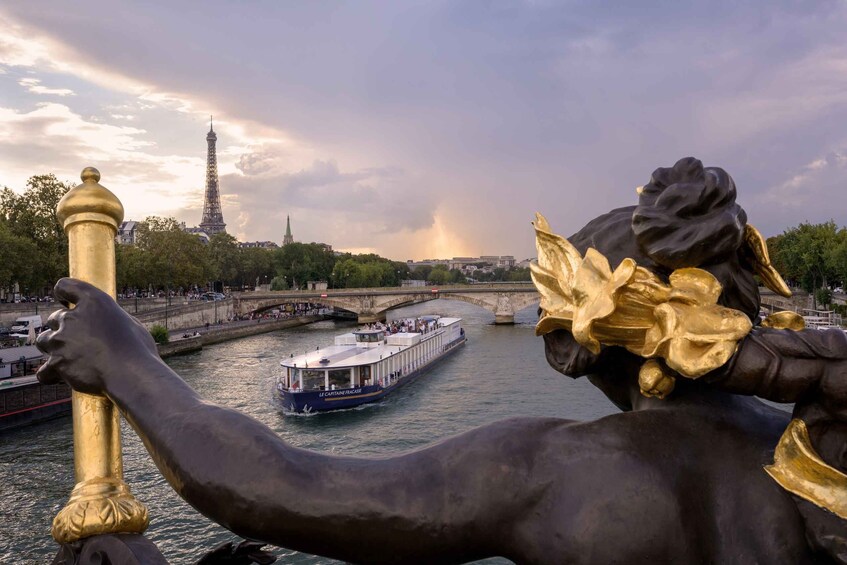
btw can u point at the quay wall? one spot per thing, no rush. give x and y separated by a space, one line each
218 334
176 316
190 315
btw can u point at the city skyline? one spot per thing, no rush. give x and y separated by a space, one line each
427 131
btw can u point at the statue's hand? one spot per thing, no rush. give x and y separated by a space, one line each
93 339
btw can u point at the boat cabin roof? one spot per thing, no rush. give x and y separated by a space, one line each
342 356
346 354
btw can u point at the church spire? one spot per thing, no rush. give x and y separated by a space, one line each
288 237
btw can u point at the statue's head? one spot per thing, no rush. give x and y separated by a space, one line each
686 216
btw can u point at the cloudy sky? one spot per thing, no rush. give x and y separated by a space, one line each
426 129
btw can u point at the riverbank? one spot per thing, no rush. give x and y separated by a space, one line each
233 330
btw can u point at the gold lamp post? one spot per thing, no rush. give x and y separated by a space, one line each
101 503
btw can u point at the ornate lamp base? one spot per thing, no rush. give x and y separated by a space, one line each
99 506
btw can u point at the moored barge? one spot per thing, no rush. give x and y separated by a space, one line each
23 400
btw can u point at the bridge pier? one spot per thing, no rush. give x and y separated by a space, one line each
366 318
504 319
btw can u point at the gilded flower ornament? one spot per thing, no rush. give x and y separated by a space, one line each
678 322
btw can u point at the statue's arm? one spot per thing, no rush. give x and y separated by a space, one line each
431 505
445 503
788 366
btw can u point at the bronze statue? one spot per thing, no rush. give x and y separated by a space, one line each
677 477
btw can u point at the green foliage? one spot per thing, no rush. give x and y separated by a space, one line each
367 271
300 263
172 258
255 266
34 254
421 273
519 274
37 252
823 296
224 257
16 258
159 333
441 275
811 256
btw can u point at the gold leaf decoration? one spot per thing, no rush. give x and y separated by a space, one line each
679 321
99 506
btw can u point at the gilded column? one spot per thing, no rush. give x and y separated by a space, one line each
101 503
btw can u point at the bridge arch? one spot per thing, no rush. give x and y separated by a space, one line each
503 304
372 304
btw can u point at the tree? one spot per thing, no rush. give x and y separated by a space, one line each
159 333
421 272
32 216
174 258
224 258
16 259
518 274
439 274
809 253
303 262
133 266
823 296
838 258
256 265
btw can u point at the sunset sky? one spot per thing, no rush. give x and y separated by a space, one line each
426 129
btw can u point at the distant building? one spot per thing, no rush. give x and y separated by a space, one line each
425 263
259 244
467 264
287 238
200 233
525 263
461 262
127 233
506 261
316 285
325 246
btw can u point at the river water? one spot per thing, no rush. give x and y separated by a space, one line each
501 372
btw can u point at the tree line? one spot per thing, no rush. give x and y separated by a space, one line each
34 254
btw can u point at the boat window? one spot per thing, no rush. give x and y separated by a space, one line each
339 378
370 337
364 374
313 379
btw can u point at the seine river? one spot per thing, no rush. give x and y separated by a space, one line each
501 372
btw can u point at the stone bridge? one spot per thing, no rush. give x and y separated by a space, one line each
371 304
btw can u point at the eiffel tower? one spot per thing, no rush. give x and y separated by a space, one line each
213 218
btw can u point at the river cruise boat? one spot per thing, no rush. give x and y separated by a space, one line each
366 365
